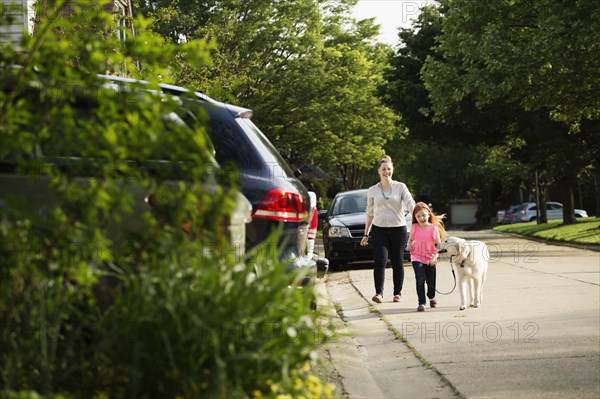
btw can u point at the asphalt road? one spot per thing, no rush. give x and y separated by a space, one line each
537 334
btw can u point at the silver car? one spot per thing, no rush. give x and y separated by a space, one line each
554 210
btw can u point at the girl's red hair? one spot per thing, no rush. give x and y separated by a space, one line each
434 219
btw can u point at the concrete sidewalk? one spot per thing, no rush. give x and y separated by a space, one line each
536 336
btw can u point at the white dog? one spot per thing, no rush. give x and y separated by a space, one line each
470 258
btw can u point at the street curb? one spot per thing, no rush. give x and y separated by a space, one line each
400 337
369 359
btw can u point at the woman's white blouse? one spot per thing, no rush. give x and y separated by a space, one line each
388 210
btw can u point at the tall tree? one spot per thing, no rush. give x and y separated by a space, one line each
351 124
307 69
255 38
542 56
458 143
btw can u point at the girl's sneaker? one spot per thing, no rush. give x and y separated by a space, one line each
432 303
421 308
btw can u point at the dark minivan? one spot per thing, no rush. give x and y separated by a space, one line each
280 202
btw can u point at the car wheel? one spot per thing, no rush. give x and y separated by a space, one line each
336 266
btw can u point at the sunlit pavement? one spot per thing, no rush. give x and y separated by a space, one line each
537 334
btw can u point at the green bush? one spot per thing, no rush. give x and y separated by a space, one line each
99 297
203 326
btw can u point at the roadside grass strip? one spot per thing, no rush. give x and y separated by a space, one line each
585 232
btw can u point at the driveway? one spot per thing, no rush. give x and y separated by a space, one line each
537 334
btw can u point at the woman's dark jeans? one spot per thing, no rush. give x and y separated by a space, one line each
424 274
388 242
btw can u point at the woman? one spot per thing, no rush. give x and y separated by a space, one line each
385 226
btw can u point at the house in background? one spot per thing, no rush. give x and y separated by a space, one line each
19 17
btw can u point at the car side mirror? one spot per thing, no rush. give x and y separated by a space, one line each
323 214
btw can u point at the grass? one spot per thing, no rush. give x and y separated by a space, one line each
585 232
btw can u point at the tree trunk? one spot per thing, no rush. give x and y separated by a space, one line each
542 216
540 201
485 217
569 199
597 188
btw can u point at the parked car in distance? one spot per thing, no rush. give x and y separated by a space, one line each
344 226
510 215
554 210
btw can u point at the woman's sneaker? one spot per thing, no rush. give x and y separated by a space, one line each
432 303
421 308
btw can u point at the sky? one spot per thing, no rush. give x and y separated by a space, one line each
390 14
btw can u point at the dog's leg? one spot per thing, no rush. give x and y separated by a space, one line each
471 292
483 277
477 292
462 287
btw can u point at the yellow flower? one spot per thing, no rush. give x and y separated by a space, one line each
328 391
257 394
298 384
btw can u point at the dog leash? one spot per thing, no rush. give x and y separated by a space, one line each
453 275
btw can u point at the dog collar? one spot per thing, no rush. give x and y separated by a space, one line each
462 264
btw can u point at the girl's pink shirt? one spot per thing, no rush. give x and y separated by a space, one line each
422 247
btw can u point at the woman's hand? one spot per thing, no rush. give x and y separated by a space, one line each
365 241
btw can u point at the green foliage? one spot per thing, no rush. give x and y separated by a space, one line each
465 83
102 295
419 165
352 121
458 146
207 327
541 54
306 68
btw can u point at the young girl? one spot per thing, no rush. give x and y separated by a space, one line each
427 230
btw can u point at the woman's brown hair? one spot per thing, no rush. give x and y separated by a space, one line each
384 159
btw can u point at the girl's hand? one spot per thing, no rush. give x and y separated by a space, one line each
433 261
365 241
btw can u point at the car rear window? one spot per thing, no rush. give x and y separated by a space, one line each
267 151
230 145
239 141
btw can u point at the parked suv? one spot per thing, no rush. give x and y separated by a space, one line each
554 210
38 193
280 202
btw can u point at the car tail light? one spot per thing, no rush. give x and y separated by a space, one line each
282 205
